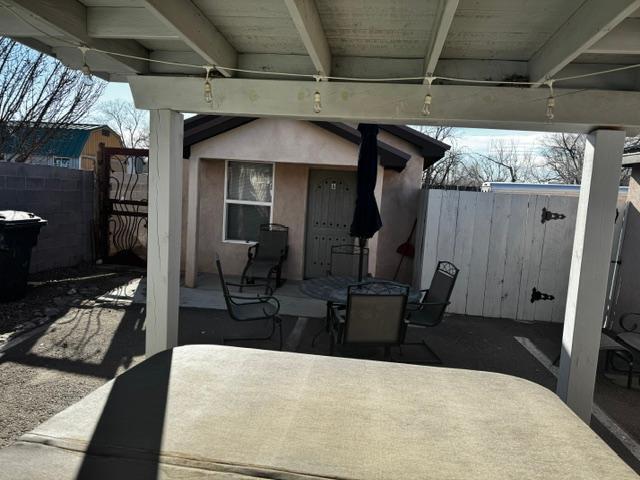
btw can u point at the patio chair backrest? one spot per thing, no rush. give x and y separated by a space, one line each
439 294
345 260
273 240
375 313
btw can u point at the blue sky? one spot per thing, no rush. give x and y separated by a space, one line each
472 140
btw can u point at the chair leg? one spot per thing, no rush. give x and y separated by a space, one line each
279 320
436 358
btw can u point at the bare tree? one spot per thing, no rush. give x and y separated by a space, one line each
449 170
130 124
563 153
39 96
503 163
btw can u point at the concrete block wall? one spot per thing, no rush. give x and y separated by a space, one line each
62 196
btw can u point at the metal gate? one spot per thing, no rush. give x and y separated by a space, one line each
122 181
332 197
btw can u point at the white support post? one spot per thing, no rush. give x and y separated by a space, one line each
164 230
193 206
590 263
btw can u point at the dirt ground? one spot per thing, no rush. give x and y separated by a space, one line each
81 345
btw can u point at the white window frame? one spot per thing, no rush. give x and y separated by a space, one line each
68 159
245 202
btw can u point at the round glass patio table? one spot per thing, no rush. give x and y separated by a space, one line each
334 289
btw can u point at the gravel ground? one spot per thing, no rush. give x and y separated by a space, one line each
50 294
87 343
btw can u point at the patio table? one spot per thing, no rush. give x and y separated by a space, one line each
333 289
214 412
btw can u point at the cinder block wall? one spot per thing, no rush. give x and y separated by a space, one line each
63 197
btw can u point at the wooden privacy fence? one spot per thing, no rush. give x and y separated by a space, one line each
510 248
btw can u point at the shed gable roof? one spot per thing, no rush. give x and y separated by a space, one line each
202 127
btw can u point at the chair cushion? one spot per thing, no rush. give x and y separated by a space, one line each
609 343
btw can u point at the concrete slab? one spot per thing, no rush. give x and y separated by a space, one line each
208 295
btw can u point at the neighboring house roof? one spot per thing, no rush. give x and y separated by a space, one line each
201 127
68 141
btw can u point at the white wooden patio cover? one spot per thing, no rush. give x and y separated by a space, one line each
204 412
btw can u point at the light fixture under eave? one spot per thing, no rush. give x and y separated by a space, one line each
551 101
426 104
87 76
208 89
317 101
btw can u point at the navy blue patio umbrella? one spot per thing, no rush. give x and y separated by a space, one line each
366 217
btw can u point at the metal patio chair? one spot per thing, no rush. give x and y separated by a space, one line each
374 316
243 308
266 257
345 260
430 311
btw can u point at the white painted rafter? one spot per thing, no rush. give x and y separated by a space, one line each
455 105
444 17
591 22
307 21
127 22
66 19
195 29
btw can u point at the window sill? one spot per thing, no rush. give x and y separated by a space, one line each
240 242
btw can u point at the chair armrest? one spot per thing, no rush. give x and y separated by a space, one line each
252 250
624 319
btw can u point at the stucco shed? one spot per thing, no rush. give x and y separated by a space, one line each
294 154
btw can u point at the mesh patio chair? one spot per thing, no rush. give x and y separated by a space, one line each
345 261
618 346
430 311
266 257
374 316
243 308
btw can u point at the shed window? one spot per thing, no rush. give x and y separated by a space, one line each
248 199
62 162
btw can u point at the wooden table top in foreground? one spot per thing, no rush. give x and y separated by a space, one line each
214 412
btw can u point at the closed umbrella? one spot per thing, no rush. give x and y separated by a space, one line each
366 217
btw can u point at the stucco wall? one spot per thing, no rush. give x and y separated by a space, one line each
297 147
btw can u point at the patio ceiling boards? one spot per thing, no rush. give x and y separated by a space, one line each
495 40
380 57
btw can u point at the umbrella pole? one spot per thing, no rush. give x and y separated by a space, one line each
363 242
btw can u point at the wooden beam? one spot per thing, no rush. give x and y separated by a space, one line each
126 22
195 29
622 40
164 231
444 17
592 21
307 20
590 262
68 19
456 105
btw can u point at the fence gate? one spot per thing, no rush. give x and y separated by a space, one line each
513 250
122 180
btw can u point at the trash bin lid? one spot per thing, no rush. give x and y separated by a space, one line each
16 217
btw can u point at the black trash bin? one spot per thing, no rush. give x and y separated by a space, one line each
18 235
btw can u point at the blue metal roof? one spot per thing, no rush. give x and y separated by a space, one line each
65 142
